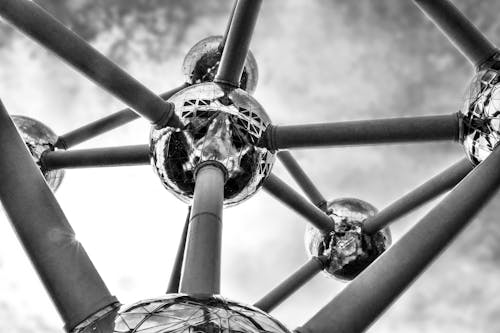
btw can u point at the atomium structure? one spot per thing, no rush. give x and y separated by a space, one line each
213 145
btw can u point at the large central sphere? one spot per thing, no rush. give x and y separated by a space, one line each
481 115
222 125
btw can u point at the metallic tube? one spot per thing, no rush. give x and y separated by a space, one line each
104 125
201 273
175 277
435 186
279 189
238 42
395 130
291 284
459 30
97 157
59 259
226 32
50 33
302 179
372 292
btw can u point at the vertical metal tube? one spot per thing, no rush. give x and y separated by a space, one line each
458 29
290 285
59 259
302 179
297 203
105 124
238 42
201 269
175 277
435 186
392 130
228 26
35 22
372 292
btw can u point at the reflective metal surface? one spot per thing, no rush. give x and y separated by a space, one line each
39 138
202 62
481 115
220 125
348 248
178 313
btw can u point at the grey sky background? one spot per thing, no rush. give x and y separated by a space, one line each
319 61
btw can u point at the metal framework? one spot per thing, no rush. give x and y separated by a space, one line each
76 287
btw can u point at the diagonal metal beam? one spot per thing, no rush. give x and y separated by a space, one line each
459 30
287 195
238 42
53 35
175 277
66 271
393 130
97 157
201 269
228 26
105 124
373 291
429 190
302 179
291 284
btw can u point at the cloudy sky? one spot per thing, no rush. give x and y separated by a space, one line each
319 61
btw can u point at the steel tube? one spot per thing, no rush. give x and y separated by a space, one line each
228 26
435 186
237 43
291 284
201 269
302 179
66 271
175 277
105 124
287 195
372 292
459 30
97 157
41 26
395 130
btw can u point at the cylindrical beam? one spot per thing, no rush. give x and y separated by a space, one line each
372 292
280 190
429 190
41 26
97 157
104 125
175 276
228 26
394 130
238 42
66 271
459 30
201 268
302 179
291 284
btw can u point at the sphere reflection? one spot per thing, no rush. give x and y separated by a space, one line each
177 313
481 115
202 62
219 125
39 138
349 250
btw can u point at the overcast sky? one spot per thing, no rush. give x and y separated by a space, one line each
319 61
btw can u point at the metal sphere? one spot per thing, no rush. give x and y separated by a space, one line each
481 115
202 61
176 313
348 249
39 138
222 125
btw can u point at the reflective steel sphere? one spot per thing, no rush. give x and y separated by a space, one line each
219 125
481 115
178 313
349 250
39 138
202 61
